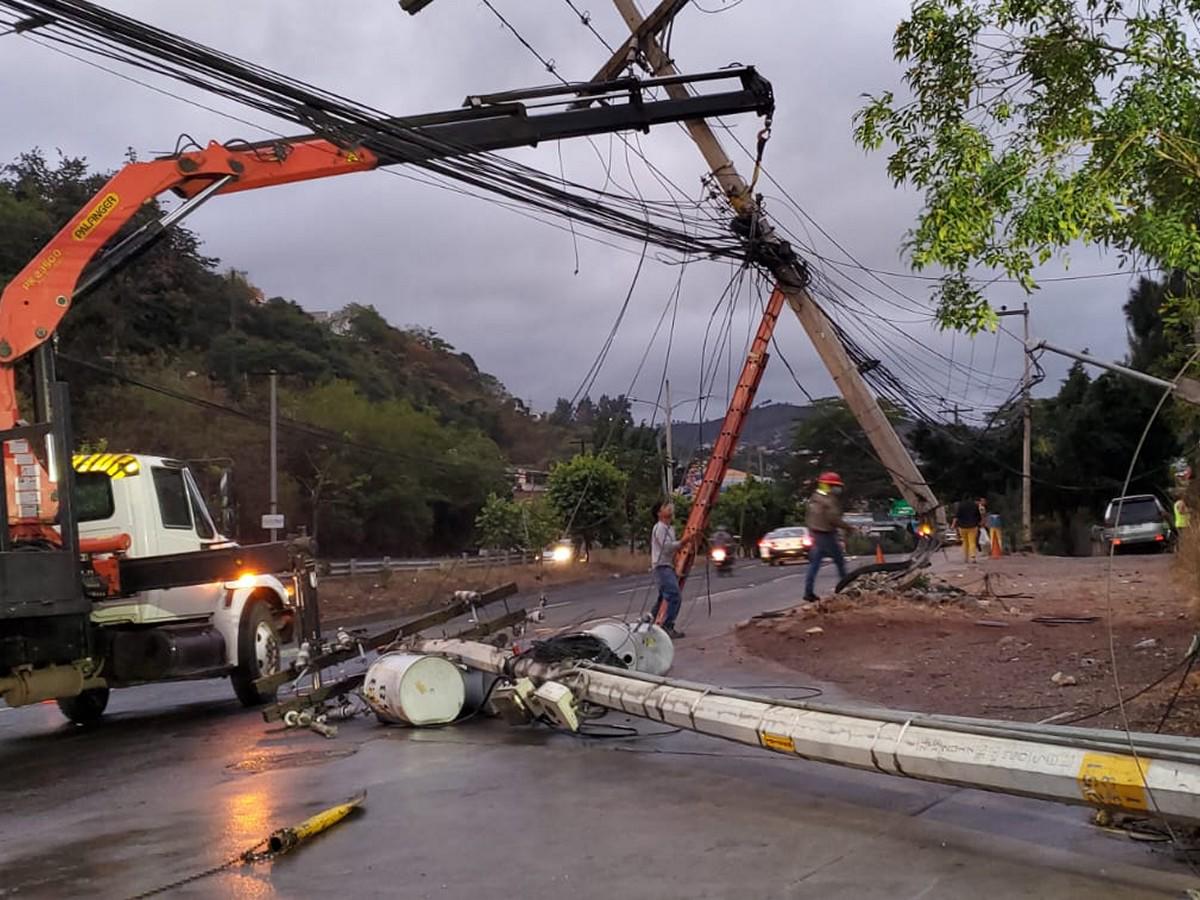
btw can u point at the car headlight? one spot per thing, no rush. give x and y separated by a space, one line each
563 553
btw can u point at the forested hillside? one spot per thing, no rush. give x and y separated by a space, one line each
390 439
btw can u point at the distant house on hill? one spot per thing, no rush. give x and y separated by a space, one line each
695 475
528 481
336 321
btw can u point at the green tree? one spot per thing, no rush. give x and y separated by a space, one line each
750 509
832 439
588 493
1030 125
540 524
504 524
562 413
1085 437
498 525
634 450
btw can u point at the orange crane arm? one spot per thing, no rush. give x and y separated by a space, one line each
35 301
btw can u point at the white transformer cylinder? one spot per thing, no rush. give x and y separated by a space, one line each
642 647
410 689
656 650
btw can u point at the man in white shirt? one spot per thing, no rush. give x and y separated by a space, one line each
663 545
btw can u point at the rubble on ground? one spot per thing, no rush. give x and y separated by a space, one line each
923 588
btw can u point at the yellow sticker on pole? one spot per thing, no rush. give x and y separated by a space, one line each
780 743
1113 781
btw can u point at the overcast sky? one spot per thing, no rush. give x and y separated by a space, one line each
504 288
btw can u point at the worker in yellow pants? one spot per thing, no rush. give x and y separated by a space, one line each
967 519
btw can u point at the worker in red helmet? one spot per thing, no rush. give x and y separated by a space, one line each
824 519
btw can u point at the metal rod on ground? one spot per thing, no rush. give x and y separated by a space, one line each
1086 767
286 839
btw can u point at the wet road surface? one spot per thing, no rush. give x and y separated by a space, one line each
179 778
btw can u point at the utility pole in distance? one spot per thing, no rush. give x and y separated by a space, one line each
274 452
670 446
790 279
955 411
1027 440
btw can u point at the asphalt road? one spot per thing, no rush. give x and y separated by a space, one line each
179 778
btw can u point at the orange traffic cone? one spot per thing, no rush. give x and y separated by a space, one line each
996 549
879 552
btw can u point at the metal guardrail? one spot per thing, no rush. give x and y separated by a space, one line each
343 568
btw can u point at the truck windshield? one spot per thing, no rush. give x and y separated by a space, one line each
93 497
1141 511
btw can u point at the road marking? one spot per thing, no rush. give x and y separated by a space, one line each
749 586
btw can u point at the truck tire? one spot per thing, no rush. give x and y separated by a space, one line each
85 708
258 654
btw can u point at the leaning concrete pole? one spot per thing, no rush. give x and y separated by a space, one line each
858 396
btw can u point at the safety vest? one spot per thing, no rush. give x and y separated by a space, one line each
1182 519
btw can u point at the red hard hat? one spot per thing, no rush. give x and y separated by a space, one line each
830 478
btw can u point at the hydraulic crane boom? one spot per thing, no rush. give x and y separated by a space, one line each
35 301
33 304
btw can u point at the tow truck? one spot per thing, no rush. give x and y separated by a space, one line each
112 572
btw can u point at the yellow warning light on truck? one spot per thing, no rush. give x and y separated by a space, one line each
114 465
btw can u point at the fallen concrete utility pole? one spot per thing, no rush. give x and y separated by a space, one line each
790 279
1141 775
1186 389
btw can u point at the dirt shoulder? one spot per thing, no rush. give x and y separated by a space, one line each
1021 638
393 594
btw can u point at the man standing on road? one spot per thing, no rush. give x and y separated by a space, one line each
824 519
967 520
663 545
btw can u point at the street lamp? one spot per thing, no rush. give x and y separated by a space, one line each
668 408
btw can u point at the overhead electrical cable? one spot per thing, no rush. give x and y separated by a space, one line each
83 26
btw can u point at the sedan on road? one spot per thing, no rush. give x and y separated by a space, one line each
785 543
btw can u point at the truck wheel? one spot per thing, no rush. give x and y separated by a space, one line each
258 654
85 708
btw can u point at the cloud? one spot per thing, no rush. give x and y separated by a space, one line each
500 286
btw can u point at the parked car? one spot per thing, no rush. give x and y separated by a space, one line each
951 537
1139 520
785 543
868 524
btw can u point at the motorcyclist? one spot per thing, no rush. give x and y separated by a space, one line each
722 538
721 550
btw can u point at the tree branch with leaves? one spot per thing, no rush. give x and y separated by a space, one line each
1031 125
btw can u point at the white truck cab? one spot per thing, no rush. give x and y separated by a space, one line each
243 629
